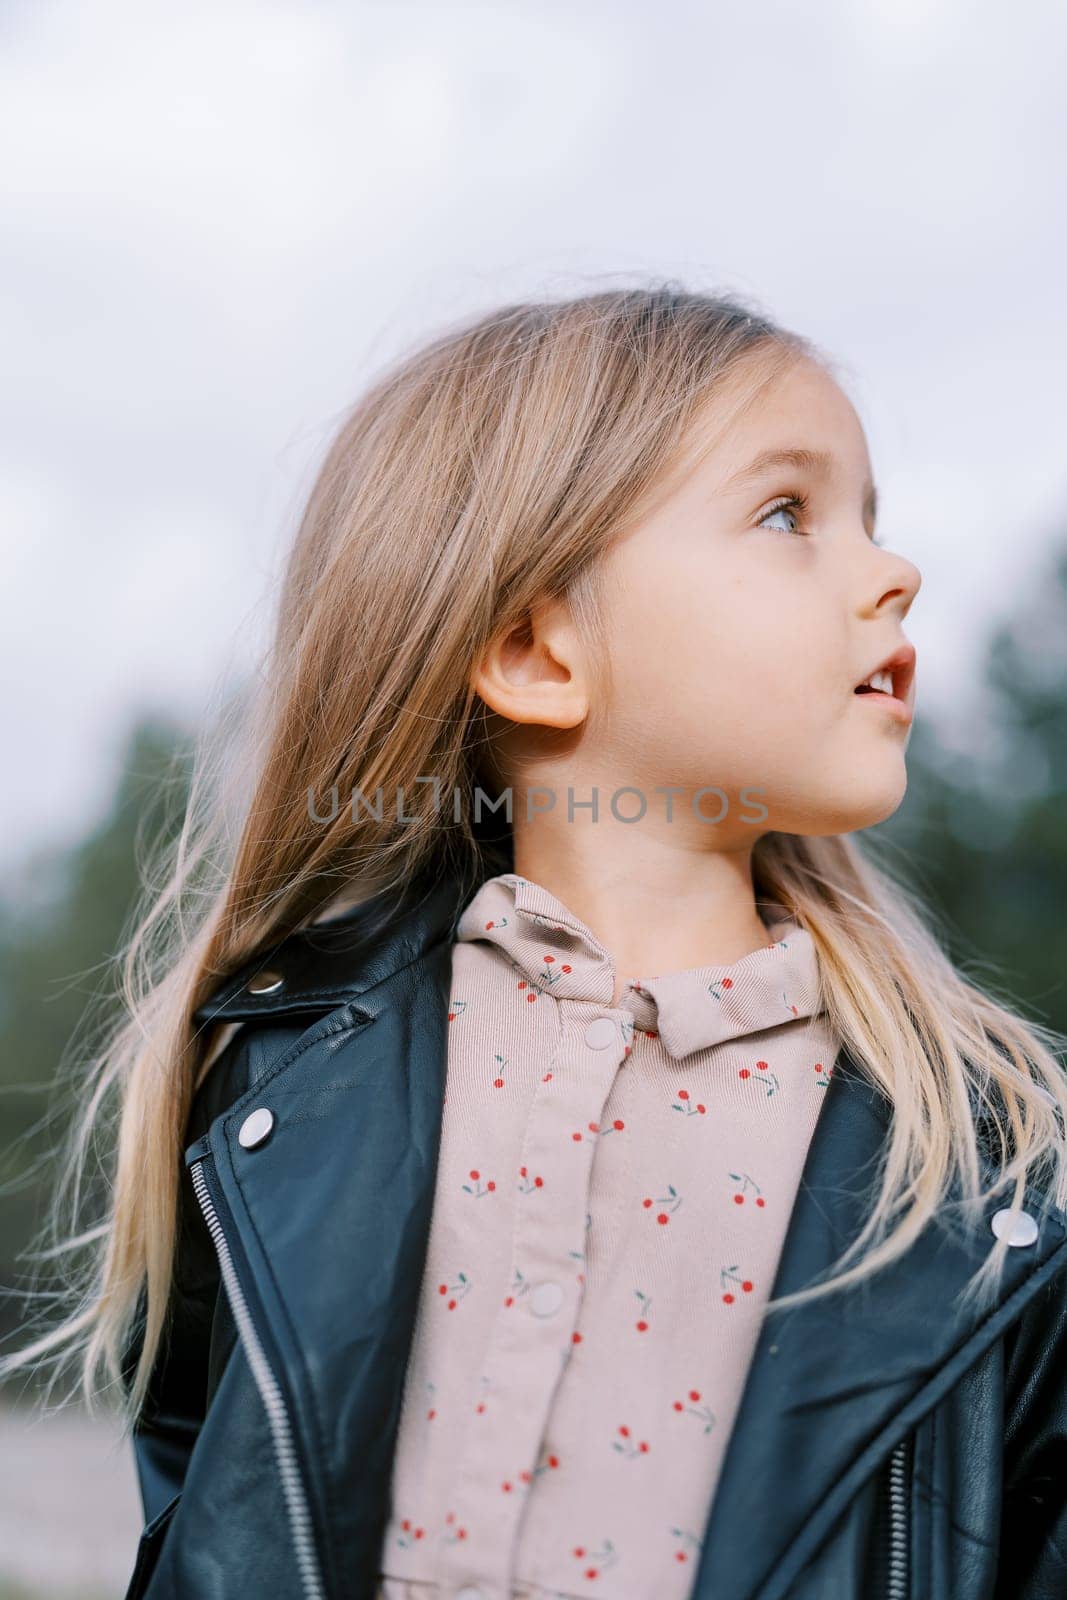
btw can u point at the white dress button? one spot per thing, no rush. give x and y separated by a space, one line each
600 1033
1018 1230
546 1299
256 1126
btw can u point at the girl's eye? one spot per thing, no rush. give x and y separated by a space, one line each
792 506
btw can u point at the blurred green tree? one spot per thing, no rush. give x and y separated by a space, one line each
983 836
60 934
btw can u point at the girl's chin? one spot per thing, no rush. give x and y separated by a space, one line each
860 801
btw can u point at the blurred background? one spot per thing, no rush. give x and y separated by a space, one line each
218 221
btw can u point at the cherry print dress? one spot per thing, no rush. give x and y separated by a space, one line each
614 1185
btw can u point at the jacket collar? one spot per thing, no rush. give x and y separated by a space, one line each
322 966
833 1384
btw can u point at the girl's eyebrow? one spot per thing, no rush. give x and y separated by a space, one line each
818 462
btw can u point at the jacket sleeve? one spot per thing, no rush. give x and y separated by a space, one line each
198 1331
1033 1535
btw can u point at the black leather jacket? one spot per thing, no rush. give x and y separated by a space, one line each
888 1444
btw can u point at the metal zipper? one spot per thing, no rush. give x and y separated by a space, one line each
897 1579
270 1390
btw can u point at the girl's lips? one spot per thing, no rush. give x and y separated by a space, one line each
896 708
901 669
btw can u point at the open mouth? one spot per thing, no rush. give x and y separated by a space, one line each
877 683
891 681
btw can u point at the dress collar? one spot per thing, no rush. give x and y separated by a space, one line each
557 954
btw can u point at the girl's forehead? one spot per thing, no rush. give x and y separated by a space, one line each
798 417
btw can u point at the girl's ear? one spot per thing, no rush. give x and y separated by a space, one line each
535 672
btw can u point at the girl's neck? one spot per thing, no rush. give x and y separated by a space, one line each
655 906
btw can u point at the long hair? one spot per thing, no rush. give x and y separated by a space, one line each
483 471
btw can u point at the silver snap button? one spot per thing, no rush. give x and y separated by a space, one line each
265 983
1017 1230
600 1033
255 1127
546 1299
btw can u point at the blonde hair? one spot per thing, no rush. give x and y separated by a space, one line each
481 472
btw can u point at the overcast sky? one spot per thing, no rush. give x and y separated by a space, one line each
219 220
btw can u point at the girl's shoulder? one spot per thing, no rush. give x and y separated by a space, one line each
271 1000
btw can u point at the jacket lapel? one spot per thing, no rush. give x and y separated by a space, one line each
834 1384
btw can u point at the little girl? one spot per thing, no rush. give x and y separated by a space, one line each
539 1034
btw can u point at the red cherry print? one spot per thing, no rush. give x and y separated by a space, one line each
747 1286
491 1185
577 1138
643 1446
442 1288
522 1172
760 1200
701 1109
680 1555
431 1414
406 1524
728 1299
522 983
762 1065
579 1551
625 1432
539 1183
576 1338
474 1174
565 968
531 998
419 1532
451 1016
525 1476
506 1487
553 1461
510 1301
480 1407
593 1128
548 959
546 1077
642 1326
683 1094
727 983
739 1199
646 1204
451 1305
678 1406
744 1073
618 1124
663 1217
694 1394
498 1083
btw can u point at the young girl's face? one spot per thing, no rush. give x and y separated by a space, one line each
742 622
